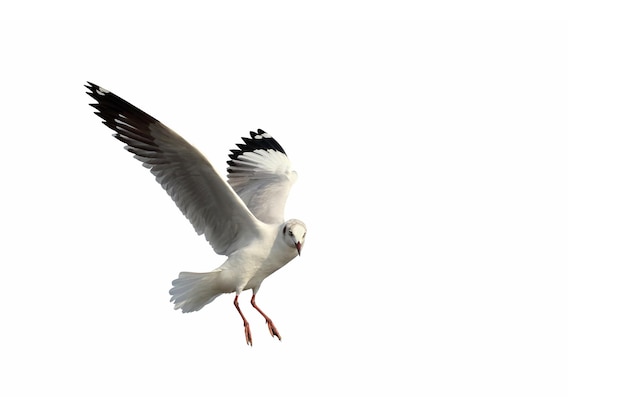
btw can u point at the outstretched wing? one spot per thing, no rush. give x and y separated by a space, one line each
210 204
260 172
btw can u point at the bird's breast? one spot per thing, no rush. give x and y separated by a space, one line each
279 256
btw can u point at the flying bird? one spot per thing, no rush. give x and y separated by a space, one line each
241 217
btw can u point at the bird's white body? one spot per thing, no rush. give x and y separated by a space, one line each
241 218
245 269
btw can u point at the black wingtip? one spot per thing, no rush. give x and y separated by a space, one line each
93 88
259 140
110 106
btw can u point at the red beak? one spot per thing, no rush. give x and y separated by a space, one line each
298 247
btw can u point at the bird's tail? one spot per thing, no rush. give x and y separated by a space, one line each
193 290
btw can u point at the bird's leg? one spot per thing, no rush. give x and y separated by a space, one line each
270 324
246 325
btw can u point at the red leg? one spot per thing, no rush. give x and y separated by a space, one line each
270 324
246 325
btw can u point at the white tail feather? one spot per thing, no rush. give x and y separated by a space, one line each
193 290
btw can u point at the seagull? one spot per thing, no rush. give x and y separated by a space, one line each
241 217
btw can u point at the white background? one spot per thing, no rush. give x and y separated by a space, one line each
457 176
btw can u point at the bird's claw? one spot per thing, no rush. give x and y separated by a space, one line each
248 334
273 329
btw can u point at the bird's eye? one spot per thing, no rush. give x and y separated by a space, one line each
290 233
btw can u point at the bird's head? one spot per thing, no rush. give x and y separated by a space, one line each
294 232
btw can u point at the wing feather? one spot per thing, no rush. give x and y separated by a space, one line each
211 205
261 174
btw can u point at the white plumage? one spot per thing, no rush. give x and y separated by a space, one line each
242 218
